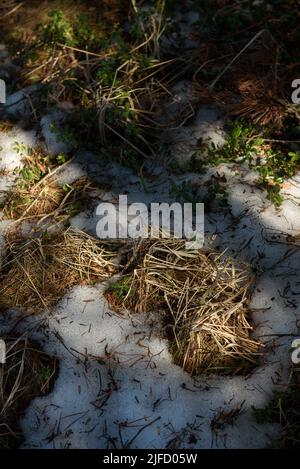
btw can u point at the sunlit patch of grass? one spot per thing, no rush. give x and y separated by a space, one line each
36 273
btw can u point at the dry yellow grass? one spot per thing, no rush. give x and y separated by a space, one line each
47 199
204 296
36 273
35 202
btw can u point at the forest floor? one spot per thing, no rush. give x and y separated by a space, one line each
163 104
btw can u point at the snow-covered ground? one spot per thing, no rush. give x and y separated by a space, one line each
117 385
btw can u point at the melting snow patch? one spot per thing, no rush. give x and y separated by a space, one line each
18 104
10 158
52 131
117 385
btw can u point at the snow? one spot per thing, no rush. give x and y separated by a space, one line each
18 104
51 125
10 158
184 141
115 372
116 376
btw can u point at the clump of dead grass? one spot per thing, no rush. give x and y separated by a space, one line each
47 199
34 202
204 296
37 272
27 373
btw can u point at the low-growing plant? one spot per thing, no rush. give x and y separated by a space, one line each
106 72
121 288
241 145
117 292
244 143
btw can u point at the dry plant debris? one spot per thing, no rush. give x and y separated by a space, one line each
47 199
81 54
27 373
223 418
34 202
204 296
248 59
36 273
250 89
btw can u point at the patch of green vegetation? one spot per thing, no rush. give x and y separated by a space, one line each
274 194
77 32
35 162
65 134
122 116
244 144
121 288
62 158
106 71
277 167
58 29
34 168
284 409
254 33
241 145
73 208
216 190
29 175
